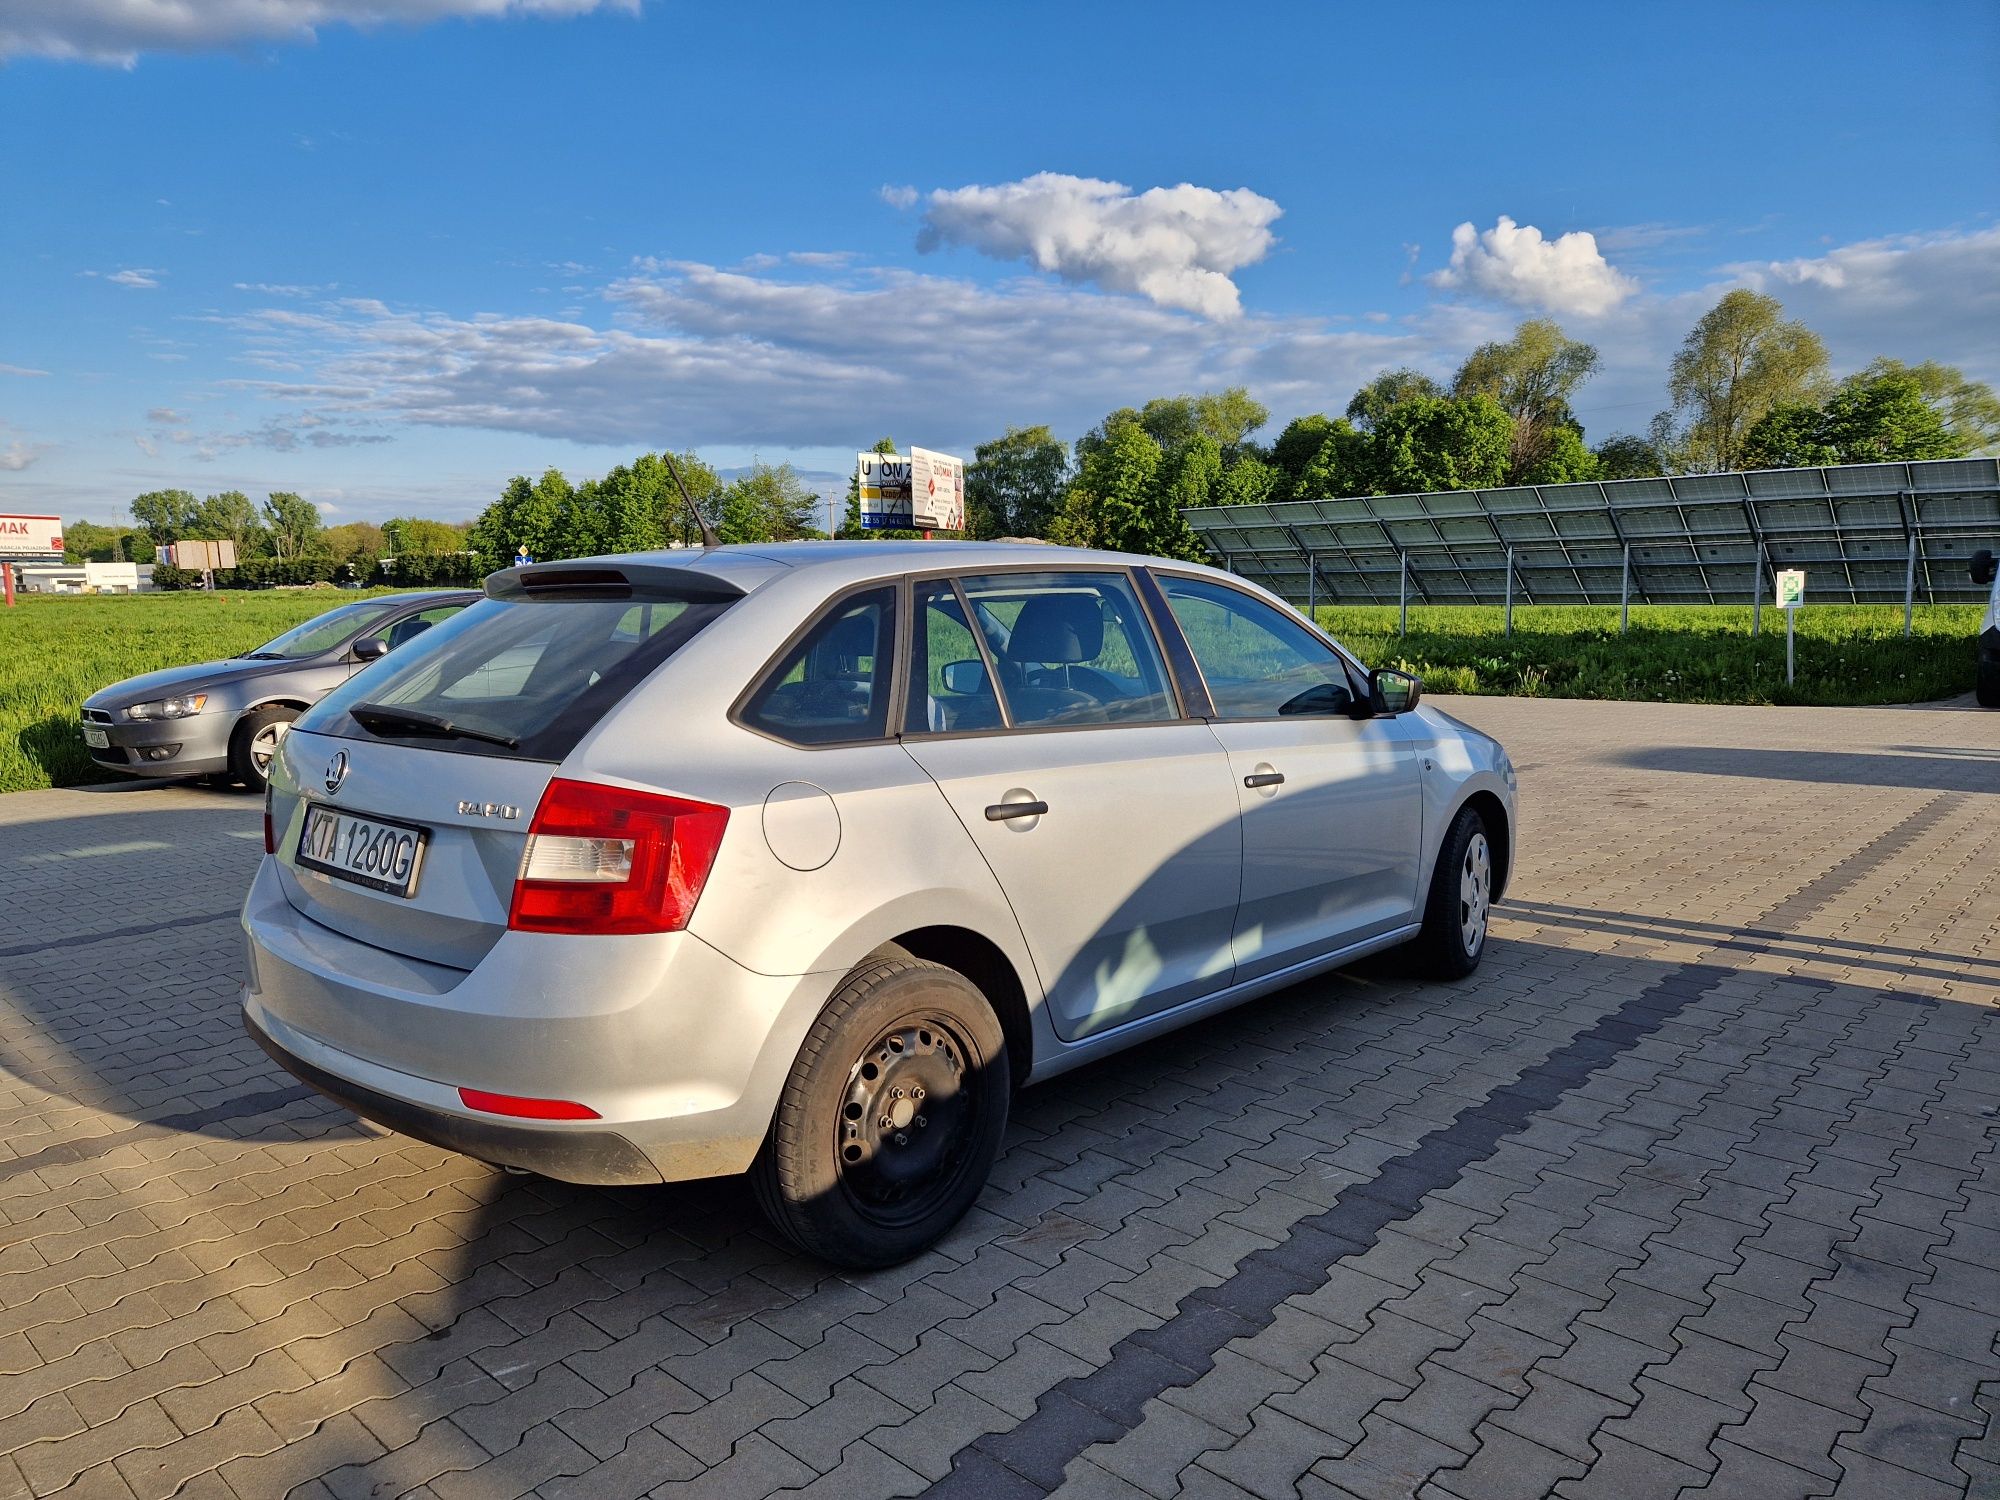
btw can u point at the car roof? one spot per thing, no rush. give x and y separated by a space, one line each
841 563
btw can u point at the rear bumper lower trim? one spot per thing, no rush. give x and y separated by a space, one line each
601 1157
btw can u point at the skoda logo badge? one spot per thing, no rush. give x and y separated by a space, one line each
336 770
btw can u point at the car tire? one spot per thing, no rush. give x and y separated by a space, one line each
1457 910
891 1117
1988 691
256 741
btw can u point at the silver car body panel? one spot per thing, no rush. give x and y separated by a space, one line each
1117 911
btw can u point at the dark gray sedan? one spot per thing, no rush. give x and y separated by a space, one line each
224 718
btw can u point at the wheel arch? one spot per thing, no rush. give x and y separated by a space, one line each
990 971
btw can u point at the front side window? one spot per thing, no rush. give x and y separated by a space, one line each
834 684
950 690
1257 661
1070 648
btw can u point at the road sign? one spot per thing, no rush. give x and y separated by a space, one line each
1791 588
521 557
31 536
937 491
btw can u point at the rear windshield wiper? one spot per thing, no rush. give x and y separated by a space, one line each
378 718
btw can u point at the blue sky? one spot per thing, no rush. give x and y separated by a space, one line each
389 265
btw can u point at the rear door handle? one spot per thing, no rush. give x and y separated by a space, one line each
1006 812
1265 778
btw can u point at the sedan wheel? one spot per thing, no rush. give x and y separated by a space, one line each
1459 904
254 745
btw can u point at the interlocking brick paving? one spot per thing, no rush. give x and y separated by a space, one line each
1690 1192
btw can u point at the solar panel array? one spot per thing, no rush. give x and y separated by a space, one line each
1864 533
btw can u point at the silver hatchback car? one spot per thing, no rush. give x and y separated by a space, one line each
800 859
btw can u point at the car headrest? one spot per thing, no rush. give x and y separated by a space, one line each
1058 628
853 636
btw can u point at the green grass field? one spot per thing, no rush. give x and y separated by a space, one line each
55 652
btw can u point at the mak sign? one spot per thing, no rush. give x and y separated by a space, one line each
31 536
922 492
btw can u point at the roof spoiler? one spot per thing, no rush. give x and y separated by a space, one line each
595 580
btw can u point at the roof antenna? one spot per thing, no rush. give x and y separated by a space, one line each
708 536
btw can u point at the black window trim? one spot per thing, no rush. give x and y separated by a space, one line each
1341 654
899 596
1129 572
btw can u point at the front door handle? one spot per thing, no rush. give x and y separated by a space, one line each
1265 778
1006 812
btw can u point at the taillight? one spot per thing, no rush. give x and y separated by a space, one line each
601 859
270 837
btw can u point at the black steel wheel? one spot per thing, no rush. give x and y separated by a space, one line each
891 1118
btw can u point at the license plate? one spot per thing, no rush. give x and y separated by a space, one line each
96 738
374 852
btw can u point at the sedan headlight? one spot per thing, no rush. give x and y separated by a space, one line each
168 708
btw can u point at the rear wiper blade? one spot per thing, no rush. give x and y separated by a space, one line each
378 718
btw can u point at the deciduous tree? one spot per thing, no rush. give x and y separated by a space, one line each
1532 376
294 522
1014 484
1742 359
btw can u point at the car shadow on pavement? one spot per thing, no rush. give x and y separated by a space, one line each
1929 768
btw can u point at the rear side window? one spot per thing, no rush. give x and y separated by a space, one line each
539 673
834 684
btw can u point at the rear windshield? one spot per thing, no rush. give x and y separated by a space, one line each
524 678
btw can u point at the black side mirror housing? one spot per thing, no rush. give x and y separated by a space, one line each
1391 692
1323 700
1984 566
370 648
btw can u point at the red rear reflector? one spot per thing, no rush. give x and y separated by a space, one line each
601 859
526 1109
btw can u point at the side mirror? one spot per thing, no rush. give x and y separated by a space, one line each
370 648
1324 699
964 679
1984 566
1391 692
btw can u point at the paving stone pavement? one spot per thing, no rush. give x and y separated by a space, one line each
1691 1191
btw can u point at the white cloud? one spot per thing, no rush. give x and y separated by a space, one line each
786 360
21 370
1175 246
1513 263
899 197
131 276
117 31
284 288
1928 296
17 455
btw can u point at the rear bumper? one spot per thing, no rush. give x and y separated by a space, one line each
680 1051
572 1155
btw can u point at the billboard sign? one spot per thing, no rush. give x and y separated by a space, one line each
937 491
920 491
884 480
31 536
202 557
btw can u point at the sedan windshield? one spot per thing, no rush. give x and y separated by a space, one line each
323 632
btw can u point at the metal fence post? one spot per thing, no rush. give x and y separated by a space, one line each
1510 592
1757 597
1403 596
1910 587
1625 592
1312 573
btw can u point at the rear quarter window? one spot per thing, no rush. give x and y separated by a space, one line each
540 672
832 685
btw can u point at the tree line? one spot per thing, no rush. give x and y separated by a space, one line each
1749 388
